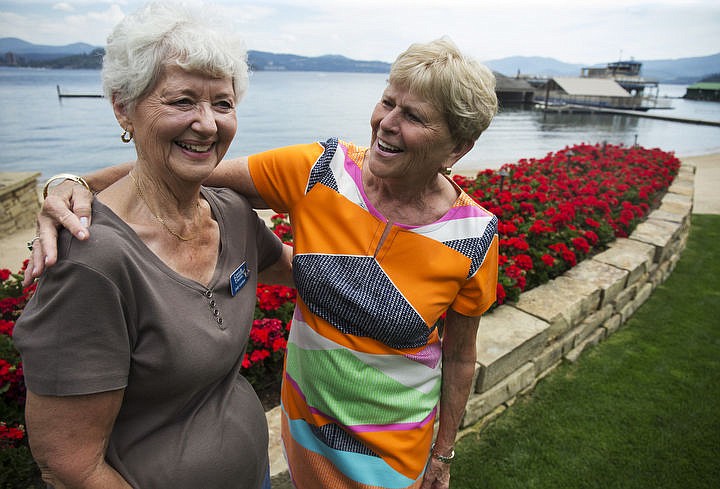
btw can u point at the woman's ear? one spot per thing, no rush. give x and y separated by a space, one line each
461 150
121 113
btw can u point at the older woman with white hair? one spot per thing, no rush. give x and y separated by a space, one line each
132 344
385 246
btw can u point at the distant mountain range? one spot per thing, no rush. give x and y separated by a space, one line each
16 52
37 52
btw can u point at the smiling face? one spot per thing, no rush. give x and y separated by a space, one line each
184 125
410 139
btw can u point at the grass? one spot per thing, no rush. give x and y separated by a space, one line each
640 410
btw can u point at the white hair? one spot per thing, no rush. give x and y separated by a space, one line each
163 33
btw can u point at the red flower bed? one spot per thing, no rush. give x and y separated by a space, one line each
553 213
16 466
558 210
262 364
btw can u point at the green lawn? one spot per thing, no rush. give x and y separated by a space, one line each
640 410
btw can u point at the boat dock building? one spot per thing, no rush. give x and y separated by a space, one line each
703 91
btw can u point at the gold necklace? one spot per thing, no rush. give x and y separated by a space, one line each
140 193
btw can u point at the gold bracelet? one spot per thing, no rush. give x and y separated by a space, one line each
65 176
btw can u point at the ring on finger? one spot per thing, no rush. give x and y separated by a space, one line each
32 242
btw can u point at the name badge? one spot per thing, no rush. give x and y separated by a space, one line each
239 278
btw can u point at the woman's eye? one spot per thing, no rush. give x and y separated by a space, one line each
225 104
183 102
413 117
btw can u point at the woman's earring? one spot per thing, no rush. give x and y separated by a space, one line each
447 171
126 136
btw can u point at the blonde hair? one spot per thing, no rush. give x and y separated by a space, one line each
161 33
458 86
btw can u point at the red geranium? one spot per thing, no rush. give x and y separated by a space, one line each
6 327
11 436
568 205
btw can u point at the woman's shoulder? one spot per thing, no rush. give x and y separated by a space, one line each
227 204
110 241
464 200
353 151
310 152
225 197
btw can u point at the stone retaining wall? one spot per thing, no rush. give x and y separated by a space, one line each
19 202
520 343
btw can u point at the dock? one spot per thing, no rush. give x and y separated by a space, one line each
77 95
587 109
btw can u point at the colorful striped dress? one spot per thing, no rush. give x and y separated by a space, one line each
362 372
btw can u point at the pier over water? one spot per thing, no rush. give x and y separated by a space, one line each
585 109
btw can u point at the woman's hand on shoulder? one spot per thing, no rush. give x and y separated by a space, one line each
68 205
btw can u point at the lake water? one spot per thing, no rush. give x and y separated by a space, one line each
40 132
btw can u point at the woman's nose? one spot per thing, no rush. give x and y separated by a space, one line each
205 120
389 121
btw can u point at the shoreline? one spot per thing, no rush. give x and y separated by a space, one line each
13 249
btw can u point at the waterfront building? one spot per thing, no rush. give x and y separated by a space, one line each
709 91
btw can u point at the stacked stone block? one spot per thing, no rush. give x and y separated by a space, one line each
520 343
19 202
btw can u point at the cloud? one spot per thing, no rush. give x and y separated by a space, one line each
587 31
63 6
64 23
578 31
95 24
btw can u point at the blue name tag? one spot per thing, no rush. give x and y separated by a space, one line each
239 278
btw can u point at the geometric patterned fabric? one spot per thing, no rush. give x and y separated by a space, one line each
362 374
344 299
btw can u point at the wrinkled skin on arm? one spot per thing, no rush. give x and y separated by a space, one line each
68 438
459 355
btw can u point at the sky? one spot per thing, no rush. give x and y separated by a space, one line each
573 31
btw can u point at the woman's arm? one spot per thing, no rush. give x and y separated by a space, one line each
280 272
69 205
459 356
68 438
66 204
235 174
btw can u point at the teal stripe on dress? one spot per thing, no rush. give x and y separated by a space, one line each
365 469
337 383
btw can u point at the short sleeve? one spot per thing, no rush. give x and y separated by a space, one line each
281 175
480 291
73 335
269 246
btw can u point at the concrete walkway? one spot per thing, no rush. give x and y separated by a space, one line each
13 249
707 183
